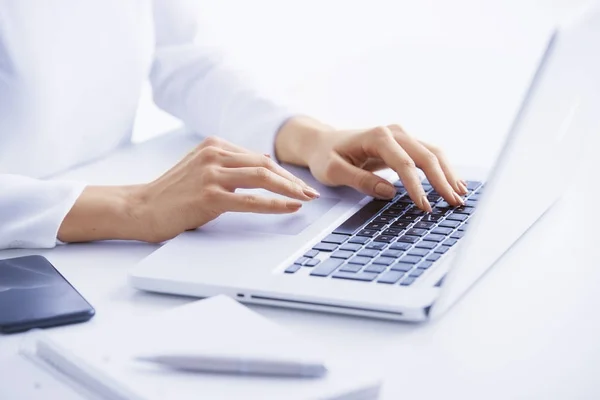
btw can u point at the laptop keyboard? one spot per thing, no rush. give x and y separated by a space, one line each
390 241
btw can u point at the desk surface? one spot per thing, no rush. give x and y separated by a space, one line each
528 329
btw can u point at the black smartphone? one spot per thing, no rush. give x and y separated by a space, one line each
33 294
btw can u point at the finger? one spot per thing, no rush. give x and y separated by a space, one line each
236 160
247 202
260 177
366 182
380 142
451 176
428 163
223 144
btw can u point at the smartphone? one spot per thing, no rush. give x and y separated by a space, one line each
33 294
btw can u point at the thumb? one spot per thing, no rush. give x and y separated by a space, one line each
363 181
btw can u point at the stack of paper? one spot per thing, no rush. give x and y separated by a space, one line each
103 364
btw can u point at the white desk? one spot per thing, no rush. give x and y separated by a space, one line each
528 329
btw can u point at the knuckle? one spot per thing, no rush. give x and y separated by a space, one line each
263 174
210 154
212 141
396 128
210 195
431 158
381 133
250 200
408 163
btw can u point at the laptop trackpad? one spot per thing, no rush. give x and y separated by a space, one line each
280 224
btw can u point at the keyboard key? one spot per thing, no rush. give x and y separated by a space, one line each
462 228
392 253
386 219
424 225
377 226
409 218
402 267
362 216
378 268
337 239
360 276
390 277
433 198
376 245
470 202
393 232
384 238
449 224
458 235
400 246
351 247
292 268
410 259
312 262
416 232
434 238
367 233
311 253
399 184
474 197
400 225
443 204
368 253
391 212
384 260
465 210
418 252
433 257
327 267
433 217
351 268
415 211
416 273
301 260
408 281
325 246
424 265
342 254
457 217
449 242
442 231
473 185
426 245
359 260
442 249
408 239
359 240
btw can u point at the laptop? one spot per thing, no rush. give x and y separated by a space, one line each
350 254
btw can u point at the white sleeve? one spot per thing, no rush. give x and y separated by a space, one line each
190 82
31 210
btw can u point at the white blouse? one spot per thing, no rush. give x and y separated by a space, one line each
71 72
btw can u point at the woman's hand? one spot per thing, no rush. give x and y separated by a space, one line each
197 190
350 158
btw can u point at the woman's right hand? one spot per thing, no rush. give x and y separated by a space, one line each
195 191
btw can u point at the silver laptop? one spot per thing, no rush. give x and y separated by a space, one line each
345 253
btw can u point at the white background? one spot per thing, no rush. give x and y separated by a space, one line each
307 52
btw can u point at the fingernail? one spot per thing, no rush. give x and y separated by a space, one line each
267 155
293 205
459 199
385 190
311 192
425 205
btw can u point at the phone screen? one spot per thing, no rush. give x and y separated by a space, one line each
33 294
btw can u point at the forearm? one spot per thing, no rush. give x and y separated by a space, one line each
102 213
297 138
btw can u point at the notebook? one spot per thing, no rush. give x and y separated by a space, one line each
102 364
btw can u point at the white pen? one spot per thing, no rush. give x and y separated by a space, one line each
238 365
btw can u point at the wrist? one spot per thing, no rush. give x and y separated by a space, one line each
299 138
104 213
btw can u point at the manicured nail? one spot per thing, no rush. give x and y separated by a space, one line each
293 205
311 192
267 155
385 190
425 205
